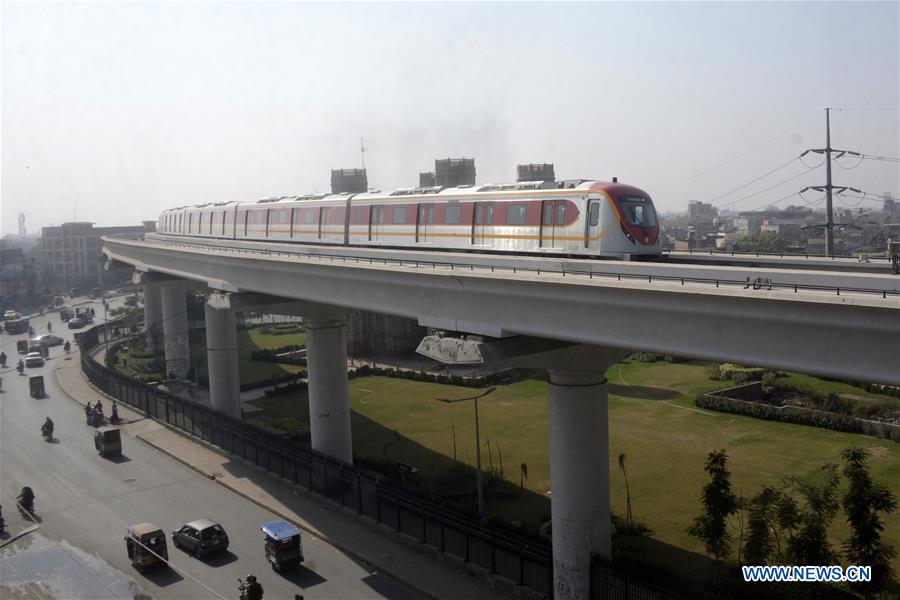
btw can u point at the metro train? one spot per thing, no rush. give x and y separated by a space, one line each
579 218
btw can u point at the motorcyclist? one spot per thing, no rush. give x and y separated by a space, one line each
26 499
30 330
67 346
20 367
251 589
47 428
2 359
49 326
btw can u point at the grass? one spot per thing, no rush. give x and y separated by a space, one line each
248 340
652 420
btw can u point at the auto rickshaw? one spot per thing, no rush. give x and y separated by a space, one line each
36 386
108 441
283 547
146 545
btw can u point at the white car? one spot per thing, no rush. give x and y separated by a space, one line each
34 359
47 340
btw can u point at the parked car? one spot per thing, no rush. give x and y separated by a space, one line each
11 315
34 359
200 537
47 340
76 323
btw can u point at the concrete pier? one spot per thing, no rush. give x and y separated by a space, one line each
222 361
153 318
579 479
175 330
329 395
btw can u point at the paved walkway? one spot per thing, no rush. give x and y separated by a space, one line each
379 546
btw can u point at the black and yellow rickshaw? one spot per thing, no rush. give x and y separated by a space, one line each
36 386
283 547
108 441
146 544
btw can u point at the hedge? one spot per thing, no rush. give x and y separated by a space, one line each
799 416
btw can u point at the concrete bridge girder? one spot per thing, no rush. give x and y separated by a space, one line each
820 333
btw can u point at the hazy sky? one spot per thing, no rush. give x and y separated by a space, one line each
114 111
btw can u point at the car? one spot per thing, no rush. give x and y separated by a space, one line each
109 294
201 537
11 315
47 340
34 359
76 323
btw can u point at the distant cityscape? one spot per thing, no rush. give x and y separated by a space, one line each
792 230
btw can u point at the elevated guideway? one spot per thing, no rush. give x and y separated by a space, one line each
842 324
835 324
818 262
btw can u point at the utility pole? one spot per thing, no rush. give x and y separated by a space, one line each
362 151
828 188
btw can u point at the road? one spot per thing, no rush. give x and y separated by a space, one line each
84 504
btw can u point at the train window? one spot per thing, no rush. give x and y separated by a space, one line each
452 214
309 216
595 213
359 215
515 214
560 213
638 211
398 215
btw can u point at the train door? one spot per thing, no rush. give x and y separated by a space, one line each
592 226
483 224
553 215
324 213
424 220
376 223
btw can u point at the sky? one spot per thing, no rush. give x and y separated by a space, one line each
112 112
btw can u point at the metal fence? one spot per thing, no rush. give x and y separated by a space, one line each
503 552
506 553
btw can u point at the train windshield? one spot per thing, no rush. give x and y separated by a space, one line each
638 211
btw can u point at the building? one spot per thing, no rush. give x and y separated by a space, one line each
375 335
71 254
452 172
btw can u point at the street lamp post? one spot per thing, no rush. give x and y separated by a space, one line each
477 446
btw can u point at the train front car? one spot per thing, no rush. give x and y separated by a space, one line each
627 226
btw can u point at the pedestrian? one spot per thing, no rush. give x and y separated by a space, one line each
114 415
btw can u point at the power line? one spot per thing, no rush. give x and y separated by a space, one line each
884 158
749 151
770 188
778 168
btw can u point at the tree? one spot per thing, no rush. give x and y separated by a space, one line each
628 517
863 502
809 544
763 542
763 241
719 503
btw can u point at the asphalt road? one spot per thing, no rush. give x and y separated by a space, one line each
84 504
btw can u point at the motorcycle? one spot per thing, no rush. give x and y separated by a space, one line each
67 347
250 589
3 360
20 367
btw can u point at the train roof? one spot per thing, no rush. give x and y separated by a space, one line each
427 191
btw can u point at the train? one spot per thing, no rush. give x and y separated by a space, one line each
576 218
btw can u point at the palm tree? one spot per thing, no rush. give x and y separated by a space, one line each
628 520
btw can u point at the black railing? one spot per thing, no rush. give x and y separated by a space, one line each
501 551
504 552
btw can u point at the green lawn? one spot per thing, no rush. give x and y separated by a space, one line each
247 341
652 420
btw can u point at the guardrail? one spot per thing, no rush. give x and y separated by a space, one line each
745 283
503 552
